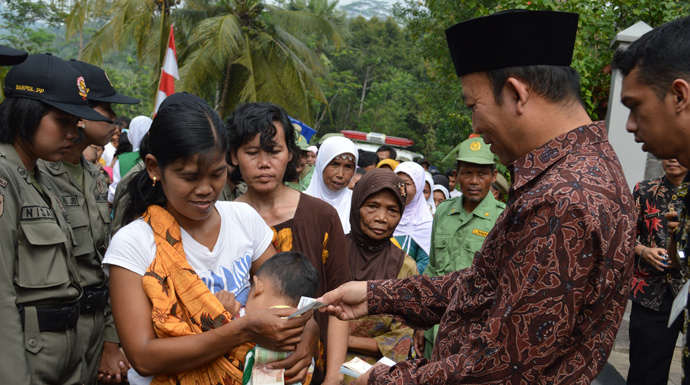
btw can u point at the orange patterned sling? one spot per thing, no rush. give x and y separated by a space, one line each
183 304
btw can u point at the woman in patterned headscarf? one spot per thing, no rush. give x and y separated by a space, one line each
378 203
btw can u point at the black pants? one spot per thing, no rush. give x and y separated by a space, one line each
651 343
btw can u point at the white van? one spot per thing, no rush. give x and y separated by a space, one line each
371 141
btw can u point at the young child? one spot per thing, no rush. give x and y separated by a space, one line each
280 282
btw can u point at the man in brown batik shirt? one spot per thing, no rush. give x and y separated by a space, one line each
543 299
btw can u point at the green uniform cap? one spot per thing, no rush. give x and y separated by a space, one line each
300 140
474 150
302 143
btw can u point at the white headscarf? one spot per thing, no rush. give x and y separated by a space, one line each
441 188
416 220
428 178
342 199
138 128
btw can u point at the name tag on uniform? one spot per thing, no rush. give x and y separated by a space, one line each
70 200
36 212
480 233
101 198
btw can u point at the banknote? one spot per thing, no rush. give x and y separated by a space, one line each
261 375
306 304
264 356
356 366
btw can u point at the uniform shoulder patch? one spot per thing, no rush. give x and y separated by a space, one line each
3 183
29 213
101 186
25 174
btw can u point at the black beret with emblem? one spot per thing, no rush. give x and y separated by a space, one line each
51 80
100 87
512 38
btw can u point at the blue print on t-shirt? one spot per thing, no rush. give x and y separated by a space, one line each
233 278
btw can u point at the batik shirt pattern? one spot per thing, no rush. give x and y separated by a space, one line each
653 198
543 299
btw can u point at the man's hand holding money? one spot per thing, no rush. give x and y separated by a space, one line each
347 302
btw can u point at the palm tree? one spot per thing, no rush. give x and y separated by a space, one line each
80 14
328 9
229 51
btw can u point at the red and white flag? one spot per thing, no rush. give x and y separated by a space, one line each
166 87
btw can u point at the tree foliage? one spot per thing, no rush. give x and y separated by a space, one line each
392 75
229 51
599 22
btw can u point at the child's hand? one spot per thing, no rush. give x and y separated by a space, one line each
227 299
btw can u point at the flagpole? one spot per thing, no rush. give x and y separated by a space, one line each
167 44
169 71
160 78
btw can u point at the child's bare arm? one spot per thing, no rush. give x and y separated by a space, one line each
227 299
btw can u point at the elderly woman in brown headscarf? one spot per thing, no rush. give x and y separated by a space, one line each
378 202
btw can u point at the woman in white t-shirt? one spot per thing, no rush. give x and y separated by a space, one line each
183 245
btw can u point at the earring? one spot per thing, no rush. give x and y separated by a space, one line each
154 182
82 126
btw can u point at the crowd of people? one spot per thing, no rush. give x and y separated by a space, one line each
174 250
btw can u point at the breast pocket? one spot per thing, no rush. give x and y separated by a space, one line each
104 210
472 243
441 249
441 242
82 239
104 214
41 255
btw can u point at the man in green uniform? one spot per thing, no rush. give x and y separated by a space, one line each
299 184
461 224
84 193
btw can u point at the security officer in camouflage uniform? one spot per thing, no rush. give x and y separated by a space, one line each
462 223
84 193
39 282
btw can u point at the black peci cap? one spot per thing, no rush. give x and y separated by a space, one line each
511 39
10 56
51 80
100 87
181 98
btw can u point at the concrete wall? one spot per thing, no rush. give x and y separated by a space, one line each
632 158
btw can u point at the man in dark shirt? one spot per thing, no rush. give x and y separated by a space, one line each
656 89
655 283
543 299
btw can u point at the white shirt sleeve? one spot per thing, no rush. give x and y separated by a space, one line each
116 180
133 247
108 153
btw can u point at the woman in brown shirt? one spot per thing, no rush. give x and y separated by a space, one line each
262 146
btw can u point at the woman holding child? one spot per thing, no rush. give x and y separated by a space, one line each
184 243
378 202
